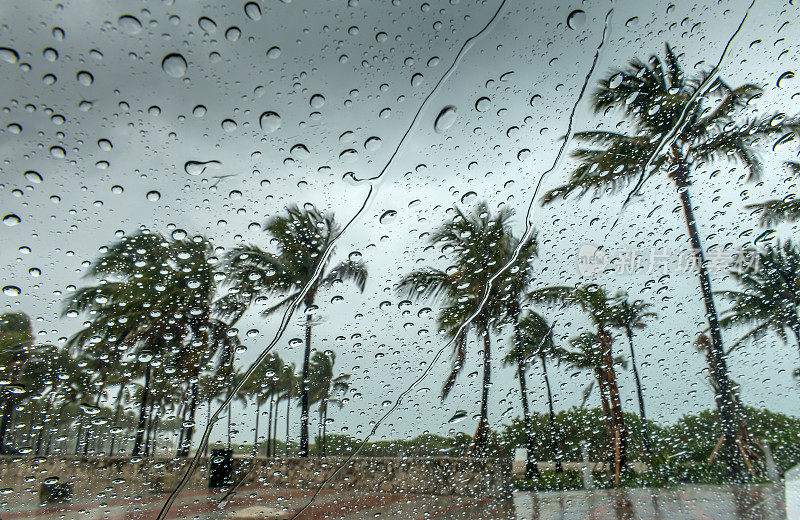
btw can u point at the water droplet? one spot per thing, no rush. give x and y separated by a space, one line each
388 216
11 290
58 152
14 128
49 79
50 54
783 140
523 154
459 416
8 55
229 125
174 65
33 176
179 234
105 145
129 24
11 220
274 53
153 195
468 196
785 76
117 189
198 167
349 156
576 19
445 119
615 81
84 78
207 24
381 37
58 33
154 110
199 111
632 22
94 53
483 104
317 101
385 113
416 79
233 33
300 151
269 121
373 143
252 10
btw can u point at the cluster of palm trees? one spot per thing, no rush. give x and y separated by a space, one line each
162 314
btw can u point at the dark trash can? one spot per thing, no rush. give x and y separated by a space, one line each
53 492
220 467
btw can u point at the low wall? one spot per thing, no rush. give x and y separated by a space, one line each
435 476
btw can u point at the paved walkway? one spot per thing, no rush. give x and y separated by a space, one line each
701 503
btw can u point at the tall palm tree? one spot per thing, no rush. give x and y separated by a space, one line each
769 298
628 316
326 388
678 123
600 309
301 236
779 210
536 342
588 354
290 388
154 295
477 244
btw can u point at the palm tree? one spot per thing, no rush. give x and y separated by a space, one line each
628 316
290 388
678 122
588 354
769 298
154 295
778 210
536 342
478 243
600 309
29 369
326 388
302 237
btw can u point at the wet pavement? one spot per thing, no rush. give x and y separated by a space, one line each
699 502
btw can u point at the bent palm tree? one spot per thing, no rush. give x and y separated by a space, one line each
326 388
478 244
770 295
302 236
600 309
536 342
153 294
703 127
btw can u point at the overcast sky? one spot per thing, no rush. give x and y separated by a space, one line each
345 80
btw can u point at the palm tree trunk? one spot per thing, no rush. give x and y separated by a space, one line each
304 388
319 432
531 469
275 430
646 444
727 410
325 432
269 426
482 435
554 437
288 409
117 413
255 438
8 410
149 428
137 443
154 440
187 439
620 431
